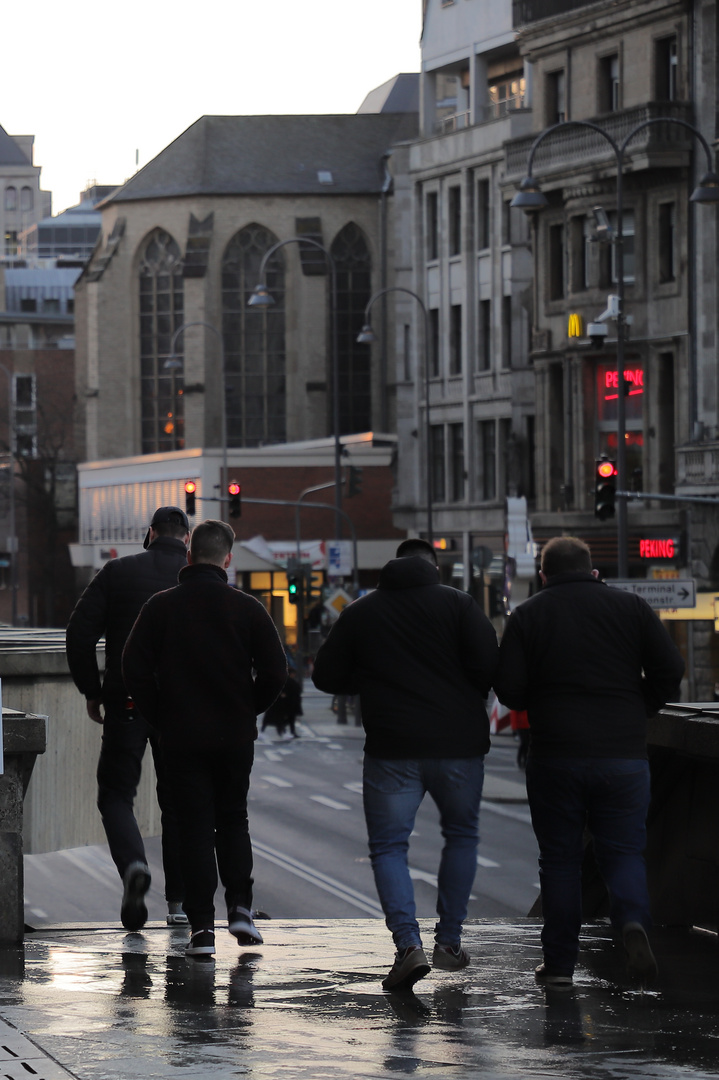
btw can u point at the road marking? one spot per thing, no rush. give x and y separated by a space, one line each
272 755
489 863
332 803
355 786
506 811
320 880
334 746
277 781
285 751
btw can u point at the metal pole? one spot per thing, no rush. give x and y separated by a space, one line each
13 545
622 530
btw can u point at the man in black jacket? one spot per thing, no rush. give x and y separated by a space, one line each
109 606
590 664
202 661
422 658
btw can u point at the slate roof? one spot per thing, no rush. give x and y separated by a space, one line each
10 152
399 94
273 155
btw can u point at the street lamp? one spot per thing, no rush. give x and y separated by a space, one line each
11 495
262 298
531 199
366 337
174 361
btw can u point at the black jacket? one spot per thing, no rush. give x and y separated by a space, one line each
573 656
203 659
422 657
109 606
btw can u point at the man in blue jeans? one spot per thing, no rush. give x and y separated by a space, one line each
590 664
422 658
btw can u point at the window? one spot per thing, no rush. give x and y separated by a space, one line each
506 93
506 331
556 262
26 199
24 414
609 90
556 108
254 341
434 342
504 435
455 220
51 305
484 336
506 223
628 247
353 263
28 304
161 313
407 353
455 339
580 232
666 69
456 450
488 461
432 226
483 215
666 396
437 440
11 245
11 198
667 240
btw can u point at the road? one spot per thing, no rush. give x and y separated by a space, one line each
310 844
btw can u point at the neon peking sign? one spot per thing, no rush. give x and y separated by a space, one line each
658 549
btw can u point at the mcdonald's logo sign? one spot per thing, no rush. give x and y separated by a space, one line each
575 327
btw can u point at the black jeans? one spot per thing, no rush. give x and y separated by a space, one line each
209 789
118 774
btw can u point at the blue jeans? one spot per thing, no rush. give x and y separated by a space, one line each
393 791
609 797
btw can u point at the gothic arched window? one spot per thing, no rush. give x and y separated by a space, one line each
161 313
353 265
254 339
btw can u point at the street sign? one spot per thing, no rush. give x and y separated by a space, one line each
336 602
339 558
677 593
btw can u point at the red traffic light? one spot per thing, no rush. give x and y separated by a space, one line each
190 487
234 491
233 488
606 468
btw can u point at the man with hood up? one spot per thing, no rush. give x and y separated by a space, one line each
422 658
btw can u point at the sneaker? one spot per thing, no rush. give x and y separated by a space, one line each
557 979
201 943
410 964
175 914
136 881
241 926
450 957
641 962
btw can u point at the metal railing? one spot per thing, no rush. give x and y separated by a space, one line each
529 11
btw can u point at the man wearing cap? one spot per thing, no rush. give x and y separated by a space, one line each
109 606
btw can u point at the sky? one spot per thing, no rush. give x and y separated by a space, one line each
99 84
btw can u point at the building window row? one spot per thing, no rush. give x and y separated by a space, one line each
449 461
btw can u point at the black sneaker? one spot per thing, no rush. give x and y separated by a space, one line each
641 963
409 966
201 943
136 880
241 926
557 979
450 957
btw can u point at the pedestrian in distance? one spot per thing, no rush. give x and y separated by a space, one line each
589 664
108 607
202 661
283 712
422 657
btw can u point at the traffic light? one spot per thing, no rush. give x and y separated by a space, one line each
294 584
235 493
605 488
354 481
190 490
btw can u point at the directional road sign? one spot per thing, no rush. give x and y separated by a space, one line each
676 593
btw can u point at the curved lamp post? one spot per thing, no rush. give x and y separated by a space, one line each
262 298
11 496
366 336
174 361
531 199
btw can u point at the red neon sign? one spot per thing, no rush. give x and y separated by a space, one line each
657 549
633 376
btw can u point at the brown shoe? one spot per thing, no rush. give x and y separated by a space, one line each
410 965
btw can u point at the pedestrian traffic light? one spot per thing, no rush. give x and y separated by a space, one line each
605 488
235 493
294 583
354 481
190 490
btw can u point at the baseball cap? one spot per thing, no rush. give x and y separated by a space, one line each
164 514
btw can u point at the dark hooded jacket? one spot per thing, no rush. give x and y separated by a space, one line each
109 606
422 657
590 664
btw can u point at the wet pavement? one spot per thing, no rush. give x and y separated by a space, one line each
96 1003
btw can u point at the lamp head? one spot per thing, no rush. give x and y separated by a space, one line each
529 197
708 190
173 363
260 297
366 335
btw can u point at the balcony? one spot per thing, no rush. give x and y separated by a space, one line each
529 11
698 469
577 146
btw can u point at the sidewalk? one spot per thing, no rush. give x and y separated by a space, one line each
96 1003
